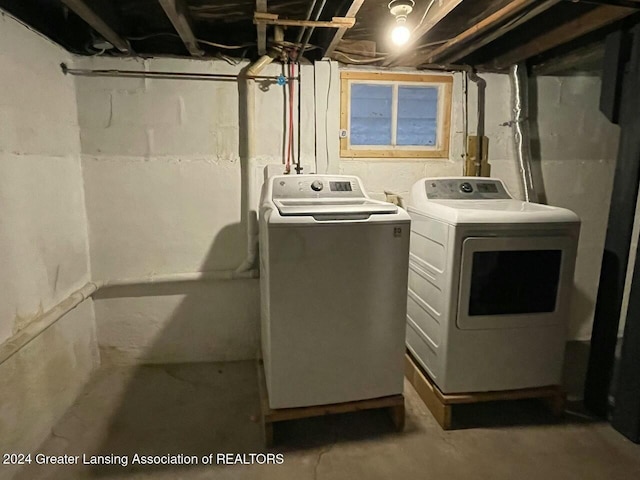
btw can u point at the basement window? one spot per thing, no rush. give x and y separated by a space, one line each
395 115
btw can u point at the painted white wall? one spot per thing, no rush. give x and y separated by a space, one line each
43 237
400 174
162 172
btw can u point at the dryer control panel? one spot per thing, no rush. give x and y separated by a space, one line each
465 188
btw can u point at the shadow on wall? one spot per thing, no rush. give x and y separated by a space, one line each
162 406
576 356
194 409
167 408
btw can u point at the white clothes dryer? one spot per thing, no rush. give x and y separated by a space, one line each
490 281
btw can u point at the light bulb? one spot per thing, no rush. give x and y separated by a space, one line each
400 34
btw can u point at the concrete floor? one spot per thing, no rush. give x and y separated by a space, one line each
197 409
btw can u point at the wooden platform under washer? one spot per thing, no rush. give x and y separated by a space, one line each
394 404
441 404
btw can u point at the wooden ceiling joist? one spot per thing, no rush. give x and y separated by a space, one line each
438 10
337 38
98 23
588 22
261 28
485 31
273 19
177 12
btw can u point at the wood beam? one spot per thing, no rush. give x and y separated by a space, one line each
337 38
624 75
618 3
438 10
564 33
485 31
177 12
272 19
97 22
261 28
616 53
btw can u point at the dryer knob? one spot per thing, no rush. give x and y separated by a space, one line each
317 185
466 187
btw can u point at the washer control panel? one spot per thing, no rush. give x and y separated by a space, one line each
465 188
316 186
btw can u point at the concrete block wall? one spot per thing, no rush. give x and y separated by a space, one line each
574 148
43 238
162 172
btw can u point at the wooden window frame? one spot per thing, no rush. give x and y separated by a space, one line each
440 150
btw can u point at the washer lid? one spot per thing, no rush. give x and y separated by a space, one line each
332 206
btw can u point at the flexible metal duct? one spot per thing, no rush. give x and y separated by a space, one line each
520 126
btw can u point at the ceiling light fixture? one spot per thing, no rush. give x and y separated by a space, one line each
400 9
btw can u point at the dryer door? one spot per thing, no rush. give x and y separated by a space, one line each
514 282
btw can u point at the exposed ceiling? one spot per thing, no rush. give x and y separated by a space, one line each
488 34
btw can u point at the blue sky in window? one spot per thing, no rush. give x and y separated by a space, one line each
370 114
417 116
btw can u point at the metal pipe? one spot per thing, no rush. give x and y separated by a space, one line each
520 126
482 87
298 167
169 75
40 324
312 5
307 37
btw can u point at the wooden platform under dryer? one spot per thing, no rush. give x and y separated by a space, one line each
441 404
394 404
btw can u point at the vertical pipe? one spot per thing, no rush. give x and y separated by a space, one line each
307 37
482 87
520 126
312 5
247 97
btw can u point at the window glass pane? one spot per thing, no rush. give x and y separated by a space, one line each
417 116
513 282
370 114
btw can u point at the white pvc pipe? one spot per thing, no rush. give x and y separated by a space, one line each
249 152
40 324
250 155
9 348
154 279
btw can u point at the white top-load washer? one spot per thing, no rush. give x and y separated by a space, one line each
333 278
490 279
